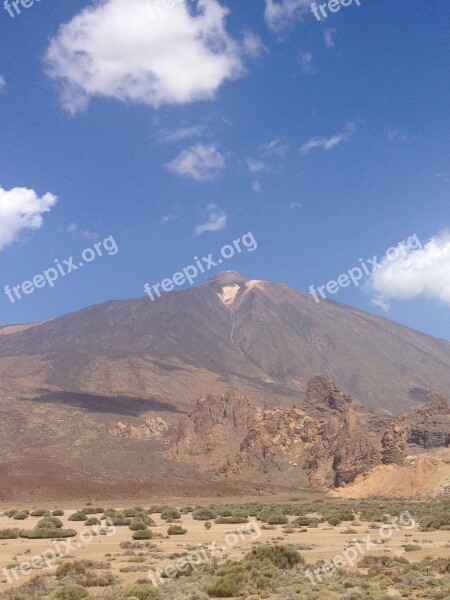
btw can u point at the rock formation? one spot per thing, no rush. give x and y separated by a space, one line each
426 427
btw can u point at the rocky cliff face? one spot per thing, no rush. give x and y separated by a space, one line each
426 427
326 442
214 429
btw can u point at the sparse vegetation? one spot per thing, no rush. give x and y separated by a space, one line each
176 530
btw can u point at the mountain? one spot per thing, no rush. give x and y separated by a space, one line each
265 339
85 395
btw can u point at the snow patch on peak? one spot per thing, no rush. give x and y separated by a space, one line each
229 293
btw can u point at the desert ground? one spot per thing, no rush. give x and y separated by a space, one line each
128 561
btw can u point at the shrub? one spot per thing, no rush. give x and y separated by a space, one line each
10 534
71 592
277 519
39 512
143 534
92 521
78 516
11 513
222 587
176 530
282 556
334 521
20 516
58 513
71 568
230 520
36 534
121 521
141 592
304 522
412 547
171 513
207 525
49 523
91 510
138 525
204 514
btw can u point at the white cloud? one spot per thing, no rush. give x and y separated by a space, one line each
2 83
306 62
168 218
131 52
257 166
252 45
216 220
21 209
328 36
178 135
295 205
201 162
85 234
281 15
275 147
328 143
414 273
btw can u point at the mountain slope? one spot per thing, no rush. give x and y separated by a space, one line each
265 339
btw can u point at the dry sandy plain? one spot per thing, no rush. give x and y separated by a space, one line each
323 542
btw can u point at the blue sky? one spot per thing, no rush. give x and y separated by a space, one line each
327 140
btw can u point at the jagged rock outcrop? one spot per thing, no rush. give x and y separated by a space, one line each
152 428
327 442
214 429
425 427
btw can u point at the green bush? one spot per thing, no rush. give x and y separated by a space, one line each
412 547
304 522
138 526
121 521
49 523
91 510
143 534
20 516
141 592
176 530
58 513
39 512
204 514
70 592
92 521
282 556
76 567
36 534
207 525
231 520
171 513
334 521
78 516
10 534
277 519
